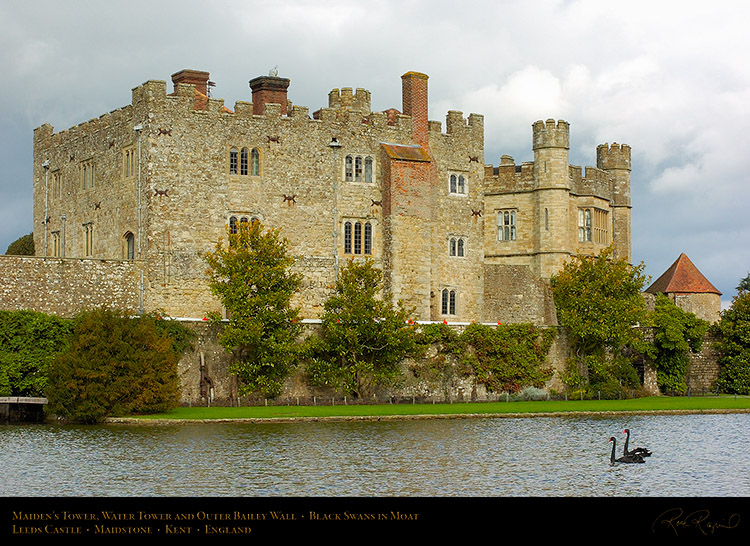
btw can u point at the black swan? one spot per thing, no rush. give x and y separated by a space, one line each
625 458
642 451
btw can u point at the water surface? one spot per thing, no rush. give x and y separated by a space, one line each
693 455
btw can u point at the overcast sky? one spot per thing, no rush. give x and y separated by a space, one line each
671 78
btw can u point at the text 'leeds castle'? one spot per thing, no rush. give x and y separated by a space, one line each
129 202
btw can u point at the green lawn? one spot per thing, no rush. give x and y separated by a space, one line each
656 404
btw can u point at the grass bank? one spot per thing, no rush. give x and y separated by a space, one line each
531 408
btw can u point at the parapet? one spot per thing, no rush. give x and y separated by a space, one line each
551 134
345 98
614 156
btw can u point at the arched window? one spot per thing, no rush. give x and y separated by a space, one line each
358 237
233 224
368 169
368 238
349 168
255 160
358 169
506 225
448 302
454 184
453 247
129 246
348 238
243 161
460 249
233 161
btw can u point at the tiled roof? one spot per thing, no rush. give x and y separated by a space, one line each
405 152
682 277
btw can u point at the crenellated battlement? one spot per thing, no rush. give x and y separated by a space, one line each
358 100
551 134
614 156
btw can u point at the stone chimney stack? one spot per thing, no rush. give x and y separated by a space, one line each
414 97
195 77
269 89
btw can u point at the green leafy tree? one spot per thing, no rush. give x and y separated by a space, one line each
599 303
252 278
23 246
676 333
364 336
744 285
115 365
28 342
733 344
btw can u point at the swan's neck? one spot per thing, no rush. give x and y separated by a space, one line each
612 457
627 438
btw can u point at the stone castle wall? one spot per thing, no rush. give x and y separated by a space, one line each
64 286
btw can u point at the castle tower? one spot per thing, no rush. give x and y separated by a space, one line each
615 159
551 221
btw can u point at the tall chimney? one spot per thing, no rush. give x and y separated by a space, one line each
414 96
196 77
269 89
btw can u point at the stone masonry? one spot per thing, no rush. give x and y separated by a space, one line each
152 186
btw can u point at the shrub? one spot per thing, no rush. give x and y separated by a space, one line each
116 365
28 342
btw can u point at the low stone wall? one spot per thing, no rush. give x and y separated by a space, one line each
205 378
64 286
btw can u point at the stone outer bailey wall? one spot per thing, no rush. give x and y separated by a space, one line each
65 286
205 378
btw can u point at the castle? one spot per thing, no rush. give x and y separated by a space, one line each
127 203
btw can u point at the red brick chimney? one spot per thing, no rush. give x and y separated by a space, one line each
269 89
196 77
414 96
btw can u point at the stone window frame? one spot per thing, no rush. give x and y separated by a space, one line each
457 246
88 239
56 244
244 161
358 236
458 184
87 174
129 162
593 225
449 301
359 168
56 184
507 225
129 239
240 218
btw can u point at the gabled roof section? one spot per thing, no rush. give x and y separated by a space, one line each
682 277
406 152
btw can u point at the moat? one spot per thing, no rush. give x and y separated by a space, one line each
693 456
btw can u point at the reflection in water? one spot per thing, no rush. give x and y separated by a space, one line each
694 455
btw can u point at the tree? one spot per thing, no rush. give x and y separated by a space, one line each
28 342
364 336
115 365
744 285
733 344
251 276
675 332
599 303
23 246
